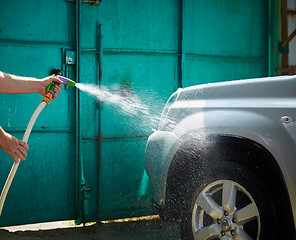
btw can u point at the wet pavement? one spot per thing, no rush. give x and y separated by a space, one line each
155 229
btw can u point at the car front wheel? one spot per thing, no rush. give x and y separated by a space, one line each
228 202
212 220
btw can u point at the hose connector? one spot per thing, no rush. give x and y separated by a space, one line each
48 96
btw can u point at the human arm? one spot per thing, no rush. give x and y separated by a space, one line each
11 145
16 84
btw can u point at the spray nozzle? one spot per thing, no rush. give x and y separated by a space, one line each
66 81
50 88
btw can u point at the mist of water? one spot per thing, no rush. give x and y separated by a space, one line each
125 102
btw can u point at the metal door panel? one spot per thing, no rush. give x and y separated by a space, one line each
42 21
151 78
43 188
204 70
125 188
132 25
224 40
32 38
226 28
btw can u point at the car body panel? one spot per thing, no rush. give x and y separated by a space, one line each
262 110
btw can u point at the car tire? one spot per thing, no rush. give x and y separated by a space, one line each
228 201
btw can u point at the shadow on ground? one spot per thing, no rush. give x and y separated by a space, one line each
155 229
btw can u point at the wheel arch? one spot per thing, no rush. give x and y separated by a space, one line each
191 158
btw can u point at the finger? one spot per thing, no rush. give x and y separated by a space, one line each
57 89
19 154
15 158
54 79
24 144
22 150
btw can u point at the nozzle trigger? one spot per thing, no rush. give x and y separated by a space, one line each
50 88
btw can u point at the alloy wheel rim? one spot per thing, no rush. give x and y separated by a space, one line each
225 210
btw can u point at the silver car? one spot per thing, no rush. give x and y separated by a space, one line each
223 160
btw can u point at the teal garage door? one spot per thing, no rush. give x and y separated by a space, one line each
86 158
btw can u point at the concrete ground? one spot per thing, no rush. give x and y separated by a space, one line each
153 229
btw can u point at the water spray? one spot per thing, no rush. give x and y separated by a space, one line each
45 101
